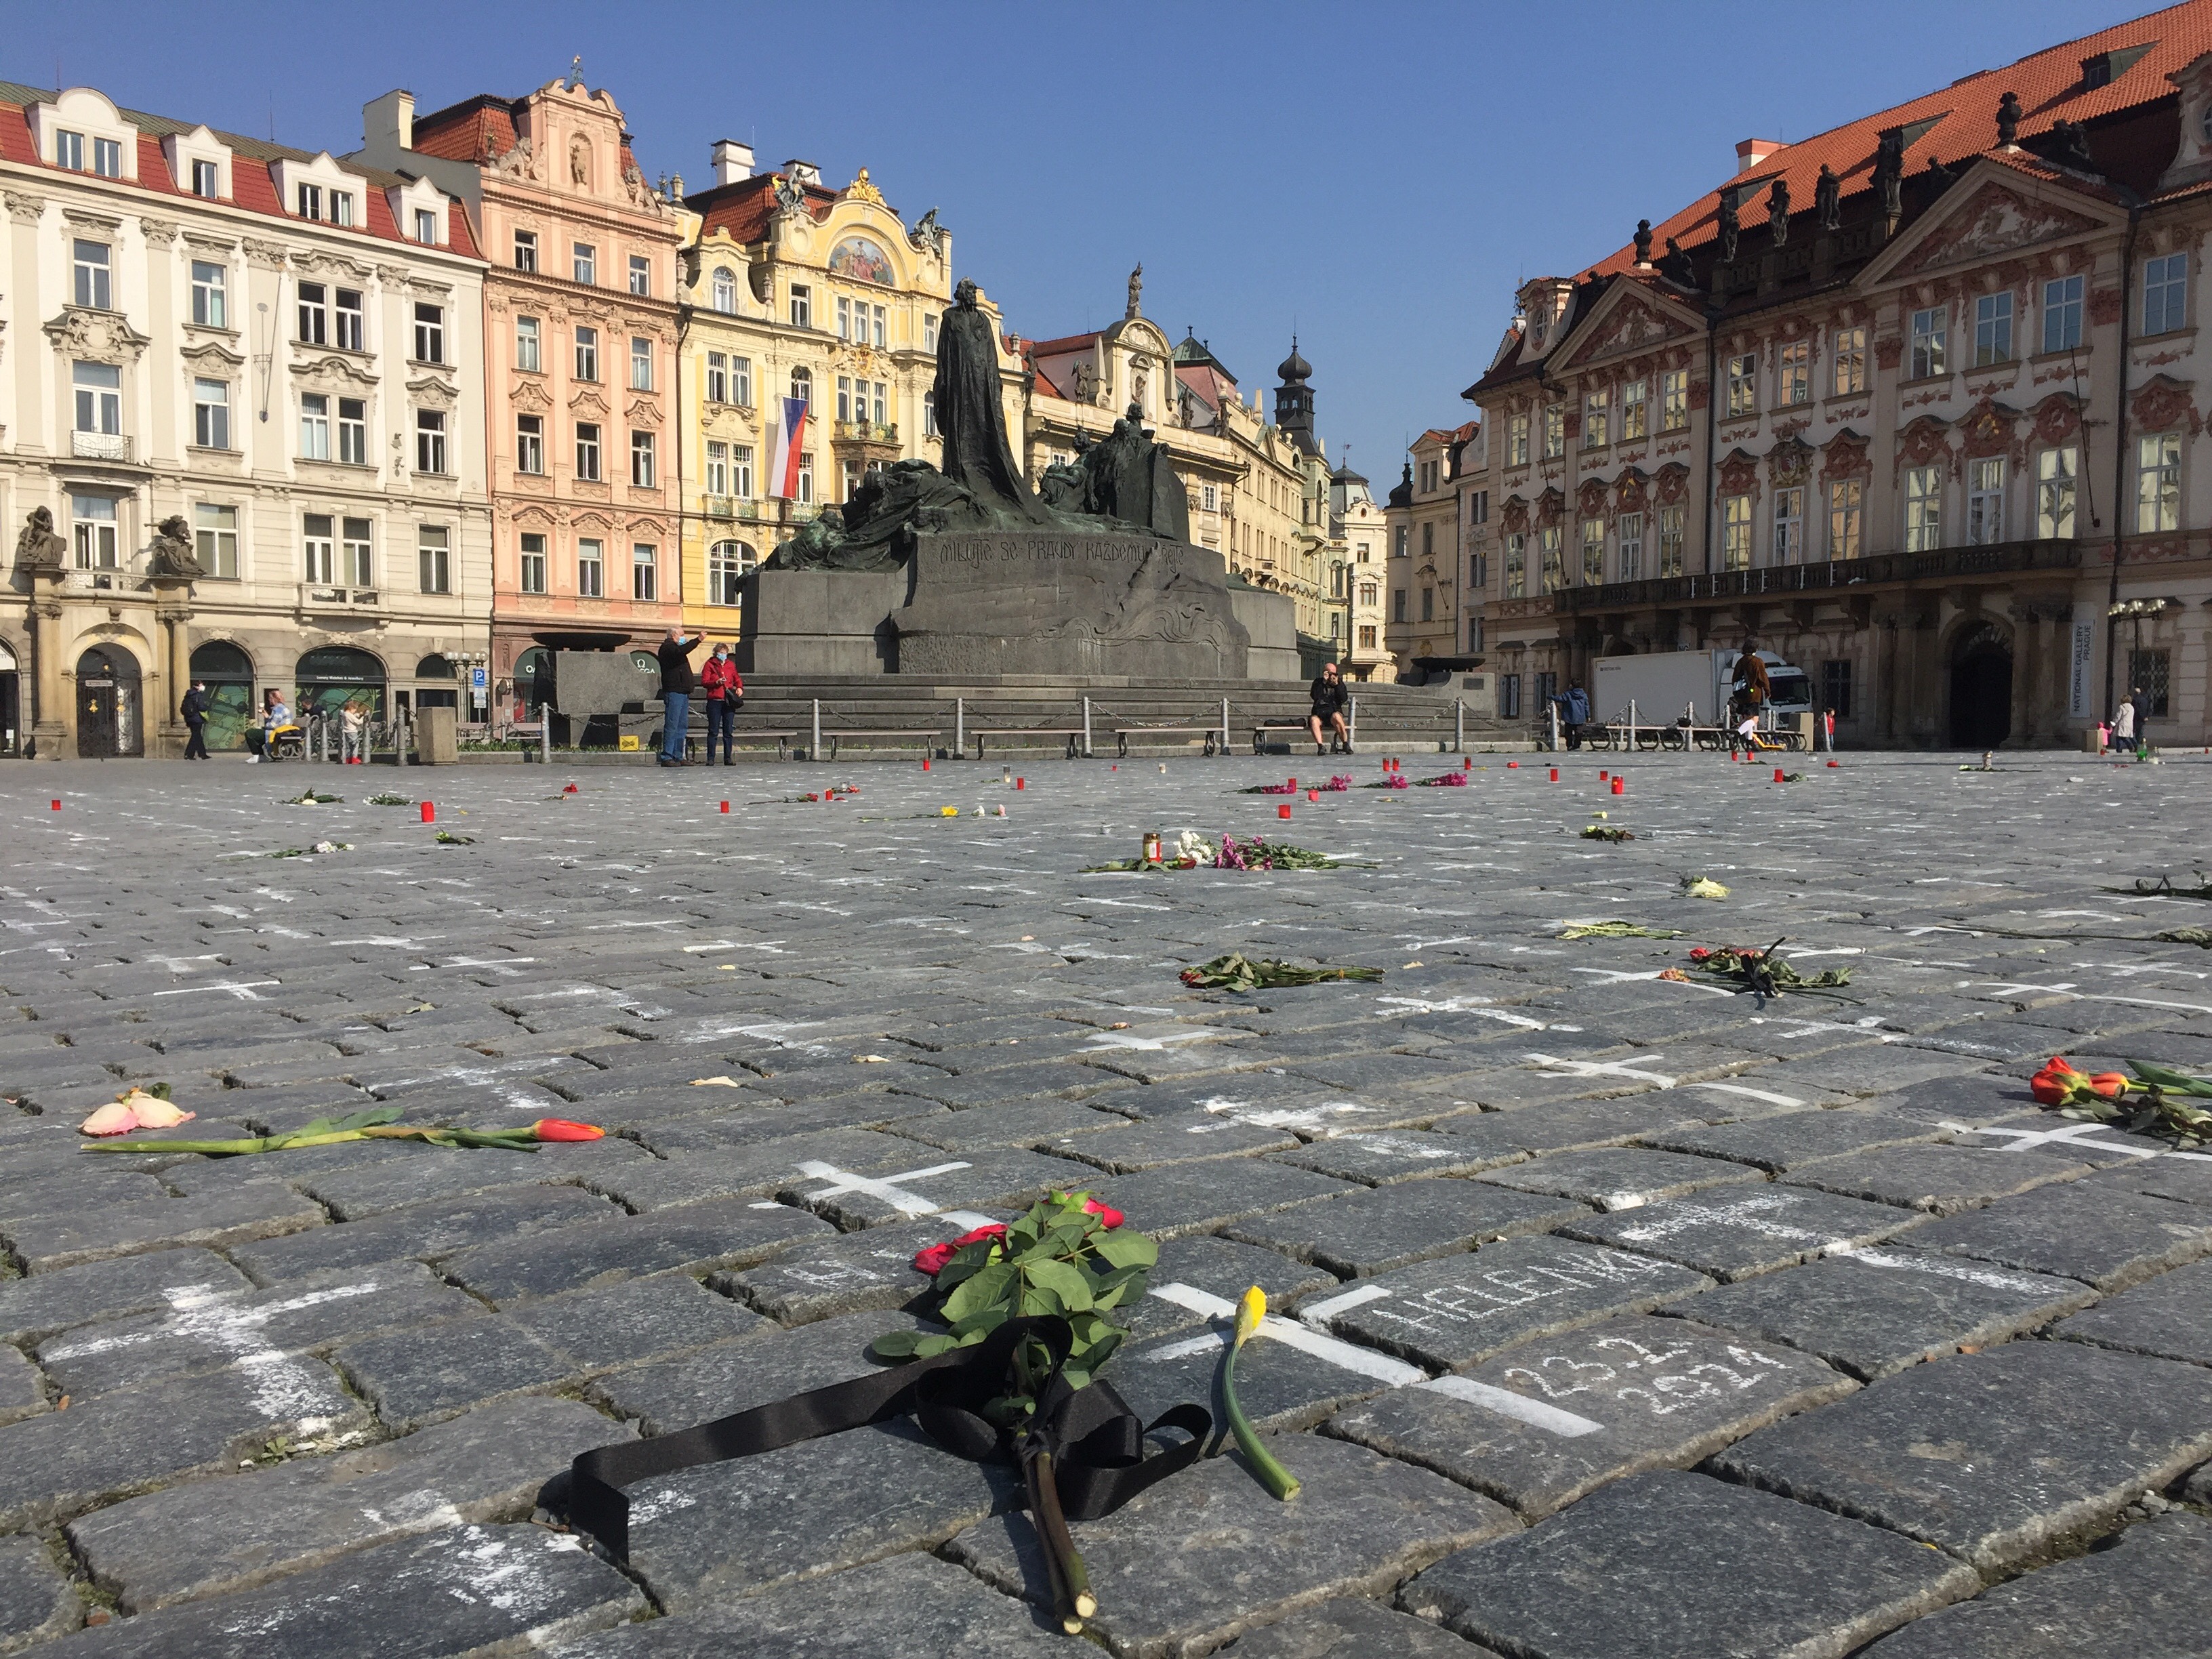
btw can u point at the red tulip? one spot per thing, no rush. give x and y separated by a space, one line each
2059 1085
2111 1084
562 1128
1699 953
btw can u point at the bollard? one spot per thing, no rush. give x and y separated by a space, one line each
545 736
725 807
1283 810
815 753
429 812
1086 728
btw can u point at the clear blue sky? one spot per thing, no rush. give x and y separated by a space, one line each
1378 175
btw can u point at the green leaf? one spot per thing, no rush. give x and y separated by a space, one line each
993 1284
930 1347
1125 1249
896 1345
373 1117
2180 1082
1039 1301
1063 1281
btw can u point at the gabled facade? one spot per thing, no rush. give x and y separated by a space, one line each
281 350
1360 531
1914 403
1429 553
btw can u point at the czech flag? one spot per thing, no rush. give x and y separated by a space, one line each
789 445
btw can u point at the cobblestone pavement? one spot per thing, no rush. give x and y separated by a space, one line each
1621 1317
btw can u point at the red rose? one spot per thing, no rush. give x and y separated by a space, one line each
1699 953
932 1260
562 1128
1108 1217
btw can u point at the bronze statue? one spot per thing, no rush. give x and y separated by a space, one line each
1777 212
1729 228
972 417
38 548
172 553
1828 198
1136 292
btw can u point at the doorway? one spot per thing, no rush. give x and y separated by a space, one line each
107 704
1981 689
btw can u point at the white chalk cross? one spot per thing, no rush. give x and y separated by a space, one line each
888 1189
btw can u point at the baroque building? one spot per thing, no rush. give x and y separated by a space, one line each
243 384
794 293
1917 403
1360 529
1431 558
580 365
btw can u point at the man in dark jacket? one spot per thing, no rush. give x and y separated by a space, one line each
193 712
675 655
1329 698
1574 714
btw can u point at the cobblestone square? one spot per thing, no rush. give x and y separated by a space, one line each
1577 1265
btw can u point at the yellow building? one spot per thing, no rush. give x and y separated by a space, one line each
794 290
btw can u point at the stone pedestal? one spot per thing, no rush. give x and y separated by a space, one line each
166 732
819 622
437 740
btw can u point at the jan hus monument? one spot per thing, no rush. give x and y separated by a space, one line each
961 570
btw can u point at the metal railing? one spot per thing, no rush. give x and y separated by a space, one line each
100 446
1881 569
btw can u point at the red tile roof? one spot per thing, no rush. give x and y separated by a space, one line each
2051 86
468 130
1066 345
744 208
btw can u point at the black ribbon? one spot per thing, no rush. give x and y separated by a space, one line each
1096 1443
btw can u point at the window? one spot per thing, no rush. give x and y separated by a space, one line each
1631 540
845 319
69 150
1846 510
802 305
1793 381
431 441
1735 532
210 282
1849 380
2158 482
433 559
341 208
1397 605
1401 547
357 553
1593 551
851 473
584 264
643 474
353 431
1428 605
1632 413
1209 498
1836 687
206 180
718 377
1789 524
718 468
1516 440
107 157
644 572
591 570
1992 330
877 332
1555 431
94 530
348 319
318 548
724 291
1743 384
929 331
429 334
741 472
1370 593
1675 400
1548 548
215 539
314 427
587 354
806 478
929 414
2055 472
1428 478
741 381
314 314
1367 636
309 201
93 292
2149 675
525 259
727 565
1985 486
1517 566
802 387
587 451
1428 541
99 398
1509 696
640 364
530 443
533 562
1927 336
526 354
2062 313
2166 293
1547 688
641 274
1597 421
1923 509
1671 533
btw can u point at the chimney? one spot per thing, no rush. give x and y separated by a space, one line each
1751 151
389 122
731 162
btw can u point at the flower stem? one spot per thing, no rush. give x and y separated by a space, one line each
1036 1471
1052 1525
1279 1481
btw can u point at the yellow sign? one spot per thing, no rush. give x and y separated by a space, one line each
629 743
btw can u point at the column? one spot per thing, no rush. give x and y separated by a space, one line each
166 733
56 722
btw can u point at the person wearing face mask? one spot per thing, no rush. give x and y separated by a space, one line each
724 689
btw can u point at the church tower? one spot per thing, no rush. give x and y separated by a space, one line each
1294 401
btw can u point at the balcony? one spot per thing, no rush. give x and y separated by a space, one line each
313 596
866 432
101 446
1882 570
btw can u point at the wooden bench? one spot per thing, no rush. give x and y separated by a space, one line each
1212 734
1260 734
834 738
1073 734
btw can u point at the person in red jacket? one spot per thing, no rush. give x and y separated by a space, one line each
723 688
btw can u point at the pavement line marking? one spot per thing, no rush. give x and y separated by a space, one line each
243 990
969 1218
2073 1134
1396 1373
1558 1067
885 1189
1506 1403
1318 1314
1754 1094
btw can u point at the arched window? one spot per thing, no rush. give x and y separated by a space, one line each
533 679
333 676
227 673
802 387
724 291
726 564
435 667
